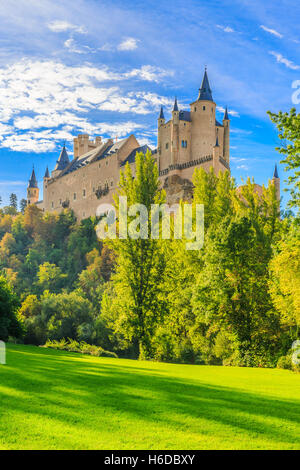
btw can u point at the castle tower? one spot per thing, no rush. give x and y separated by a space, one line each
161 122
62 162
203 117
216 155
175 134
226 124
32 189
45 185
276 181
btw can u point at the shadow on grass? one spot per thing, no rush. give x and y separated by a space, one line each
60 386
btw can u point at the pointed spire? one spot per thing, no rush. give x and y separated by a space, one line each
161 114
205 90
63 160
175 107
275 172
47 174
33 181
226 118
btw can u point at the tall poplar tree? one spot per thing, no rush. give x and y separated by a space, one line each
136 303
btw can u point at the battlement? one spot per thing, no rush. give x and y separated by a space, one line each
82 144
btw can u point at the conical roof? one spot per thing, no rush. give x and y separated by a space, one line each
63 160
205 90
33 181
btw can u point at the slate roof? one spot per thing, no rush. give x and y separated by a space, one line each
205 90
175 107
275 172
185 116
131 156
63 160
99 153
33 181
161 114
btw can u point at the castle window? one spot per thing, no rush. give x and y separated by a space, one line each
93 189
83 193
203 108
184 144
52 205
60 202
111 183
99 165
106 163
195 109
74 196
167 145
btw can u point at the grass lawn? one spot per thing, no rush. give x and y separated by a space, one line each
58 400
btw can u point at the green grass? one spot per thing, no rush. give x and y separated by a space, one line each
57 400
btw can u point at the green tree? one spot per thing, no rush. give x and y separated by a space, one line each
67 316
13 201
231 294
140 263
285 279
9 323
23 205
50 278
288 125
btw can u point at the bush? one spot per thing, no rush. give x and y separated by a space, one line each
285 362
73 346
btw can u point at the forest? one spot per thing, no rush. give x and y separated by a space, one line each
234 302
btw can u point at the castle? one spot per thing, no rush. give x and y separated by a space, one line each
190 139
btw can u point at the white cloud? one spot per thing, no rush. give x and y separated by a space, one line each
129 44
283 60
42 102
148 73
237 159
72 46
59 26
271 31
226 29
231 112
235 130
13 183
242 167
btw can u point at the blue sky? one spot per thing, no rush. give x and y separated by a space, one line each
105 67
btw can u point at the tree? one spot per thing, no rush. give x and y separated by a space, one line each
30 314
285 279
50 277
13 201
67 316
231 295
9 323
90 280
140 263
288 125
23 205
